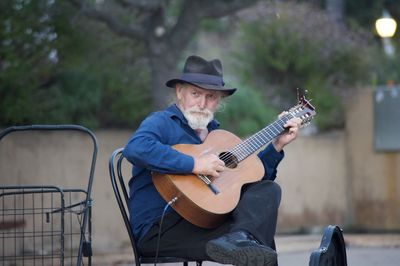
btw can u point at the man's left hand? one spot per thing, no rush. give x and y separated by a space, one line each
292 128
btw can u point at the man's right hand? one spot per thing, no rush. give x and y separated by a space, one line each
208 164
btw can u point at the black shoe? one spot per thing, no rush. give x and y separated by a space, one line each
241 249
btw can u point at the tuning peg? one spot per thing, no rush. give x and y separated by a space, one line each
305 124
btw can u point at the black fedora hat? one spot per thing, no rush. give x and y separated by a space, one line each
202 73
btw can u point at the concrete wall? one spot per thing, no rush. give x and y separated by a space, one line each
313 180
334 178
374 177
63 160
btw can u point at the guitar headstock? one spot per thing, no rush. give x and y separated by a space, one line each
304 109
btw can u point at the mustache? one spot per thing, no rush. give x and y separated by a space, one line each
196 110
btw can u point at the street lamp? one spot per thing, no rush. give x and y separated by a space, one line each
386 28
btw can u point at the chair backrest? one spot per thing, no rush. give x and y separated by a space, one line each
121 194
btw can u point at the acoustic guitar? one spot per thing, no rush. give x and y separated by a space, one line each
206 201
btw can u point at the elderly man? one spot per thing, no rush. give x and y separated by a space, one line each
246 237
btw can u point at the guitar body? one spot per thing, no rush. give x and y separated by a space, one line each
196 202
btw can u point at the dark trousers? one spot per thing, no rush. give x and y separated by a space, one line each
256 213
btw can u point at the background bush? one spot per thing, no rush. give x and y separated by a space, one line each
283 48
59 67
245 113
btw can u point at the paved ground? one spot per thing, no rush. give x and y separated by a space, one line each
362 250
295 250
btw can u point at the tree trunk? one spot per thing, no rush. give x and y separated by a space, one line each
335 9
164 45
162 68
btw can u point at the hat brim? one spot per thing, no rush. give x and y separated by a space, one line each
171 83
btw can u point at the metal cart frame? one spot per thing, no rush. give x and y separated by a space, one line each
49 210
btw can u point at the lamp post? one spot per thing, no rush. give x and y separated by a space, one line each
386 28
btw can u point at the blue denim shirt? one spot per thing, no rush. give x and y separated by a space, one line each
149 149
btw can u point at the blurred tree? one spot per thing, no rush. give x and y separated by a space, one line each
50 72
28 57
364 14
335 9
360 12
245 112
290 50
58 66
165 28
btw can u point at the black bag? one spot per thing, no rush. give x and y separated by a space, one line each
332 251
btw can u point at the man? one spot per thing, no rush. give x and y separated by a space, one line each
247 236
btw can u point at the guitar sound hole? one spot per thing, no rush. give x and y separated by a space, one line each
229 159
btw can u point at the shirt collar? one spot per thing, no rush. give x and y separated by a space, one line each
174 111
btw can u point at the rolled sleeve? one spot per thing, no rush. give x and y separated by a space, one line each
270 159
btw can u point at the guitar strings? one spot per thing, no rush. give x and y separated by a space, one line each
246 145
242 150
237 150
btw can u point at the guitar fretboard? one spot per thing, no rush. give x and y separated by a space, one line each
259 139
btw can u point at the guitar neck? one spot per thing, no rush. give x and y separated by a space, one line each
259 139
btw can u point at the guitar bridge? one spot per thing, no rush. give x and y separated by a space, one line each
207 181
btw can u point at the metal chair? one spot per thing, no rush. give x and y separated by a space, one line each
122 197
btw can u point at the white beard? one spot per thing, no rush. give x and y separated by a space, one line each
198 119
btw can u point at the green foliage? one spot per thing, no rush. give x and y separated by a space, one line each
59 103
57 70
387 70
57 67
290 50
245 113
371 11
27 38
221 26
